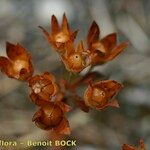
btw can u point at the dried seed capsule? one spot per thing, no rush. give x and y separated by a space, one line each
99 95
59 36
52 116
75 59
105 49
42 87
18 64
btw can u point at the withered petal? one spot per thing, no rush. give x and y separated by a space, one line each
88 95
80 47
65 25
15 51
59 96
73 35
37 115
47 35
36 99
65 108
93 34
109 42
33 80
81 104
49 76
63 127
45 94
69 48
117 50
54 25
109 84
113 103
37 118
6 66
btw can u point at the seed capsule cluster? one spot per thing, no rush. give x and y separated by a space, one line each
52 96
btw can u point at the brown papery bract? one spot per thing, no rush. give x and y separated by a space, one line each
18 64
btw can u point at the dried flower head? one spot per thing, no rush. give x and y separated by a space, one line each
50 96
105 49
100 95
18 64
59 35
51 116
42 87
140 147
75 59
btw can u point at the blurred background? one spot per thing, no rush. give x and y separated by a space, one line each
97 130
